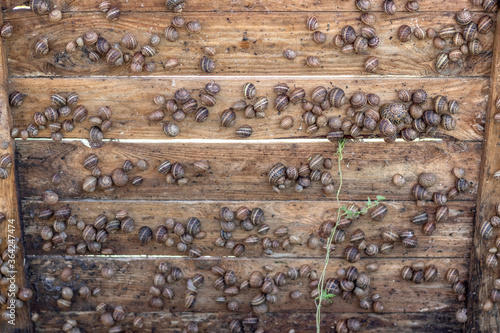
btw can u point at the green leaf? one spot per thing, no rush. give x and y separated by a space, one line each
369 201
380 198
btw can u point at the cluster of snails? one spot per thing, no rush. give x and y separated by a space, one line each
282 177
186 233
349 325
16 295
459 288
494 296
6 30
465 41
352 283
176 6
175 173
5 166
118 177
112 13
419 273
490 6
94 235
60 108
42 7
172 35
70 326
420 192
64 300
168 274
254 108
113 317
182 104
350 42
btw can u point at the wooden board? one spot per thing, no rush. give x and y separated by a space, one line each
129 287
275 322
133 101
239 171
247 6
11 230
451 239
482 278
245 42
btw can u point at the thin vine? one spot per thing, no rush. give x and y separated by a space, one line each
343 211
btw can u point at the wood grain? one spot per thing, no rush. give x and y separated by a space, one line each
275 322
131 100
239 171
11 230
248 5
246 43
129 287
303 218
482 278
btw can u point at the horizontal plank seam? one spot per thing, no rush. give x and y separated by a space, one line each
152 257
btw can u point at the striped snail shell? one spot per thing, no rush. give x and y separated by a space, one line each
442 61
113 14
207 100
470 31
40 6
244 131
312 23
409 134
171 129
193 27
207 65
371 64
379 213
193 226
386 248
148 51
485 24
455 55
346 285
261 104
428 228
410 242
448 31
389 7
238 250
16 99
358 100
348 34
431 118
394 112
297 95
114 57
319 94
177 170
228 118
475 47
352 254
316 161
335 136
171 33
249 90
319 37
486 230
458 39
412 6
390 236
464 17
404 33
337 97
129 41
430 273
281 102
420 218
42 46
418 277
127 225
407 273
257 216
440 104
277 171
419 192
202 114
387 128
368 32
313 62
102 45
360 45
145 234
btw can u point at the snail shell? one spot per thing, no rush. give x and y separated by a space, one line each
371 64
113 14
394 112
407 273
418 277
281 102
313 62
485 24
319 37
348 34
448 31
486 230
368 18
404 33
312 23
389 7
442 61
114 57
228 118
207 65
171 33
352 254
42 46
379 213
410 242
475 47
470 31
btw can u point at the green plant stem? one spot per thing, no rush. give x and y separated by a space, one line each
321 283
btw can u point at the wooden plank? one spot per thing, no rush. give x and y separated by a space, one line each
132 103
482 278
247 6
130 285
451 239
275 322
11 229
239 170
246 43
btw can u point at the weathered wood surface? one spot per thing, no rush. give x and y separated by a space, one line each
247 6
482 278
132 100
451 238
11 230
239 171
130 285
245 43
276 322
